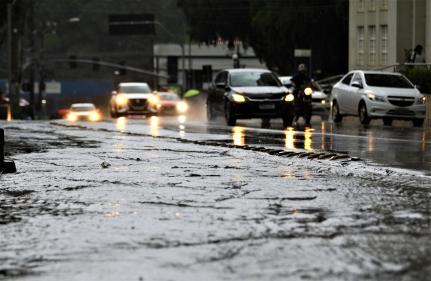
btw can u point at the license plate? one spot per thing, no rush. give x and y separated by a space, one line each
138 107
267 106
402 111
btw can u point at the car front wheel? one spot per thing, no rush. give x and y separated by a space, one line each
363 114
230 115
211 116
418 122
336 116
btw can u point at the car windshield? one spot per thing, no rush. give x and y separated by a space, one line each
253 79
134 89
172 97
82 108
387 81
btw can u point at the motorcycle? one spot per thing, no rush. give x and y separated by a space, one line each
303 103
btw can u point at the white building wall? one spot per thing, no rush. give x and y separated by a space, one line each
428 31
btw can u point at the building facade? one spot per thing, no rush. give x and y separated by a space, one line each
382 33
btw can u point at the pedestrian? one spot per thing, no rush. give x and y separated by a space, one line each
416 55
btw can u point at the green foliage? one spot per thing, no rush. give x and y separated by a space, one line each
275 28
420 76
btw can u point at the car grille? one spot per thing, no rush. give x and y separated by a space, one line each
267 97
401 101
137 103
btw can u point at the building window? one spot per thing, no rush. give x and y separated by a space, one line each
361 5
384 44
372 46
361 45
384 4
372 6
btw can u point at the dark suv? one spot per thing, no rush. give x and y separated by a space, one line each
249 93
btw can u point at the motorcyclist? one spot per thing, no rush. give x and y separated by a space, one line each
300 80
301 77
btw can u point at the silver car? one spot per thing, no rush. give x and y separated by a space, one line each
377 95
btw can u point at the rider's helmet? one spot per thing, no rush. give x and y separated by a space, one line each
302 68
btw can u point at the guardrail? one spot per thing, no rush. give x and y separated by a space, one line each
6 167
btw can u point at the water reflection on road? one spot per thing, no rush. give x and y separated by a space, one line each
399 146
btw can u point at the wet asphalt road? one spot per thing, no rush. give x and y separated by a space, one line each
127 200
400 145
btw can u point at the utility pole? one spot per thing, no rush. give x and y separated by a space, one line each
13 77
32 58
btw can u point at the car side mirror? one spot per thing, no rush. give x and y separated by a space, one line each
357 85
418 87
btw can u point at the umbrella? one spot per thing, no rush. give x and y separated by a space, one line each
191 93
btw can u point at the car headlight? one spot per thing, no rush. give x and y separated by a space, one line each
121 100
308 91
182 107
154 100
323 102
238 98
289 98
94 116
72 117
374 97
421 100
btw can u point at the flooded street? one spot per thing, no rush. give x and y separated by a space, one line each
138 200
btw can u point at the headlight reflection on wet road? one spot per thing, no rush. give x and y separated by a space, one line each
370 141
182 120
238 136
154 126
290 138
308 140
121 123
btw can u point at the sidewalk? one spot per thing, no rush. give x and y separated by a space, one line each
112 206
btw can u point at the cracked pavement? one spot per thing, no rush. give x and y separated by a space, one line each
162 209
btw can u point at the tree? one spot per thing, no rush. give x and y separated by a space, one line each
275 28
3 19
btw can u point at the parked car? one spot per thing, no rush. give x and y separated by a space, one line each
320 101
83 111
249 93
171 104
134 99
377 95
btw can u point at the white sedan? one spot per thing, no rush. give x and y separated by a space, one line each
377 95
83 111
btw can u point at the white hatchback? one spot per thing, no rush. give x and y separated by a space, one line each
377 95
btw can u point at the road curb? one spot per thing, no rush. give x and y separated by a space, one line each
6 167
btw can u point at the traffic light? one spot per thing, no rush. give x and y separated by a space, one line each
72 61
96 64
